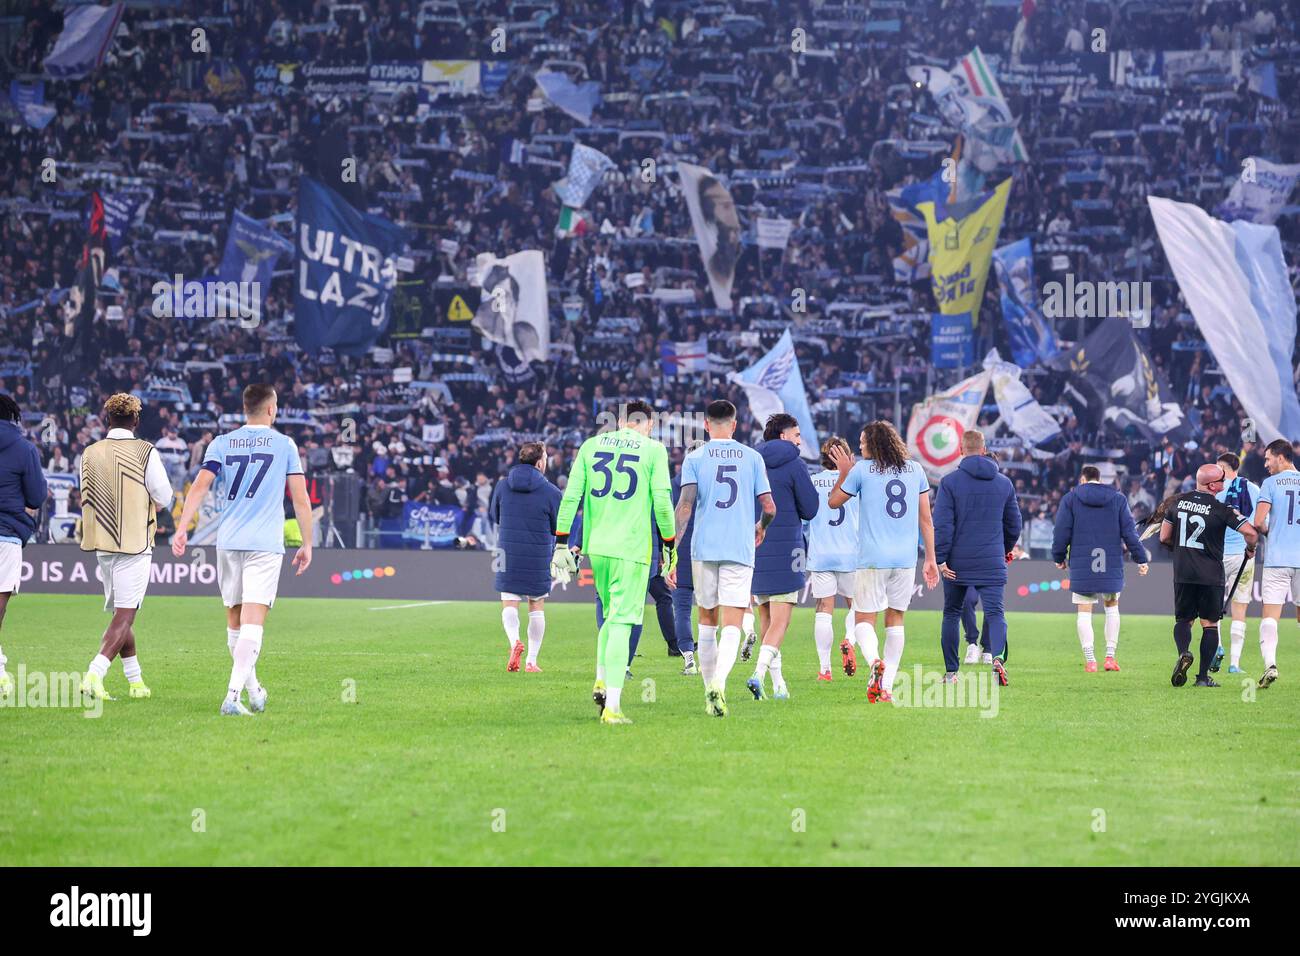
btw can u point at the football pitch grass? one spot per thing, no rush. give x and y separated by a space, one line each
396 737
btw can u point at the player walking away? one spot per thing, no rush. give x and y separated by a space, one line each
976 526
779 561
893 514
1278 493
724 477
1194 526
22 492
123 483
833 561
621 479
1093 526
524 506
253 463
1240 494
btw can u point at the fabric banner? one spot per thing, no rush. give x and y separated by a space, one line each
578 100
513 310
1235 281
1032 339
717 228
913 263
975 78
1019 409
684 358
346 271
435 526
252 251
81 47
1262 198
586 169
961 250
773 233
121 210
775 384
952 340
1113 382
937 424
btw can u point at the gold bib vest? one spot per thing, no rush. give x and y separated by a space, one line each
117 514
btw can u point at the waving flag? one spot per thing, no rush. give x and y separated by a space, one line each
717 228
579 100
775 384
937 424
513 310
683 358
973 72
80 48
586 169
1032 339
1234 279
961 250
913 262
1262 198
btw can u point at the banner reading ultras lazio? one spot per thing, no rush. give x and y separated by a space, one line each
961 250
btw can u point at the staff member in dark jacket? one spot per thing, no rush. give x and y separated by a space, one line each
22 489
524 506
1093 526
976 525
780 560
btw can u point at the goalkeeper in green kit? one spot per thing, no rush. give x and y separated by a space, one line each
622 481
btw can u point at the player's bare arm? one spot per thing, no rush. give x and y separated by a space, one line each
682 513
930 570
193 498
769 515
301 511
1259 521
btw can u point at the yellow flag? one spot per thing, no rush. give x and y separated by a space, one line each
961 250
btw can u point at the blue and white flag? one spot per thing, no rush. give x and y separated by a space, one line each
28 98
80 48
913 263
576 99
684 358
952 340
1031 338
1234 279
346 271
775 384
1261 191
586 169
252 251
121 211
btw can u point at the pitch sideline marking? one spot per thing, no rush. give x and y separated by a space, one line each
398 607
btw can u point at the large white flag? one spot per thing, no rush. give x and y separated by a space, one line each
1235 282
514 310
1020 411
717 228
937 424
1261 191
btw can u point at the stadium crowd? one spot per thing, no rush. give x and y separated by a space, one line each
467 172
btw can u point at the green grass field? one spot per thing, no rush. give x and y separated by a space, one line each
444 758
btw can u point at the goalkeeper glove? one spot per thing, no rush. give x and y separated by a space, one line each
564 563
667 557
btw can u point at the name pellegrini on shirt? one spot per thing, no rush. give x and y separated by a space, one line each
75 908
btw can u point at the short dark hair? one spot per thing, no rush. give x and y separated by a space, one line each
9 410
1282 448
1229 459
1090 473
530 453
778 423
720 410
256 396
637 408
835 441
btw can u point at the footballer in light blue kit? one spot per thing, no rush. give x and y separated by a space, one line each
1277 515
893 516
720 482
1240 494
833 562
254 464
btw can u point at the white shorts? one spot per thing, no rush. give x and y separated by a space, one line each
832 583
724 583
11 567
1246 586
1279 584
126 576
507 596
1078 598
248 577
877 589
